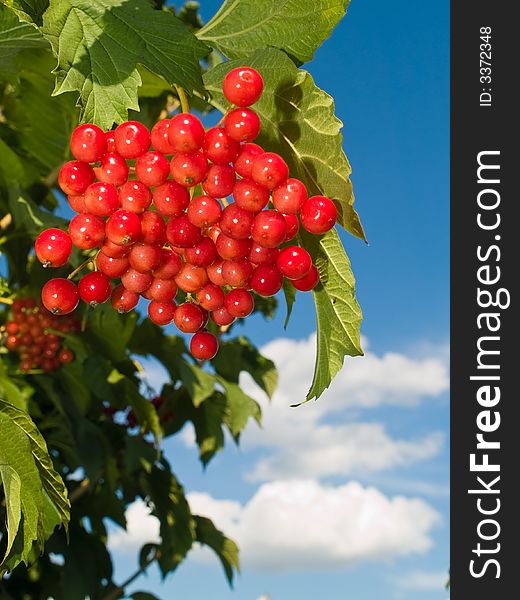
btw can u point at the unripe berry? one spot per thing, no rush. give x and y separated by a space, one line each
87 231
94 288
60 296
101 199
124 300
318 215
294 262
75 177
53 247
242 124
132 139
152 168
185 133
243 86
203 345
88 143
123 227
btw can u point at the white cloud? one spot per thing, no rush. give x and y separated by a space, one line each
294 525
423 581
316 440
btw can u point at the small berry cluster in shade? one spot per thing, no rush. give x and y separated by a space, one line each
127 416
156 237
27 333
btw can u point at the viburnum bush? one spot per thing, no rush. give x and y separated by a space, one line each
131 217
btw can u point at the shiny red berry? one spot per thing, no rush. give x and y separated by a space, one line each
53 247
203 345
236 222
159 137
185 133
219 148
294 262
290 197
135 281
237 273
170 265
75 177
124 300
242 124
87 231
210 297
113 169
244 161
66 356
221 317
191 278
94 288
189 169
308 282
88 143
181 232
153 228
161 313
230 248
214 273
152 168
111 141
145 257
318 215
114 250
249 195
266 280
204 211
60 296
270 170
239 303
293 226
243 86
162 290
202 254
259 255
220 181
112 267
171 199
101 199
189 318
77 203
123 227
132 139
269 228
135 196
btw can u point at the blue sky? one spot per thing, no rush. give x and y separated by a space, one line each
373 452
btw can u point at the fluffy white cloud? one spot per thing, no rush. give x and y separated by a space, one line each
316 439
296 525
423 581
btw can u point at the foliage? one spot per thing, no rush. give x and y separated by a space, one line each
67 464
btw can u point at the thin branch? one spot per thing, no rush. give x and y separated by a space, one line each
81 490
120 589
185 106
81 267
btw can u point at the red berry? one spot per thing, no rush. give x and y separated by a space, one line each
230 248
270 170
239 303
189 318
219 181
244 162
114 250
88 143
77 203
262 256
132 139
202 254
66 356
112 267
294 262
203 345
135 196
60 296
266 280
237 273
185 133
308 282
94 288
243 86
242 124
75 177
12 342
135 281
11 327
236 222
101 199
53 247
111 141
87 231
269 228
145 257
161 313
219 148
249 195
188 169
113 169
124 300
290 197
171 199
293 226
214 272
152 168
318 215
153 228
191 278
159 137
162 290
210 297
204 211
123 227
221 317
170 265
181 232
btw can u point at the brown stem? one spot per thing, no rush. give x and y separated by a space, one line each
120 589
82 489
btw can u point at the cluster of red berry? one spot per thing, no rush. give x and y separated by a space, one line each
217 251
27 333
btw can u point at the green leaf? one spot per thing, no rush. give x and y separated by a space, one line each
298 122
12 170
15 37
36 497
15 391
199 384
237 355
207 420
338 314
144 410
100 44
30 11
290 298
110 332
298 27
206 533
29 216
239 408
